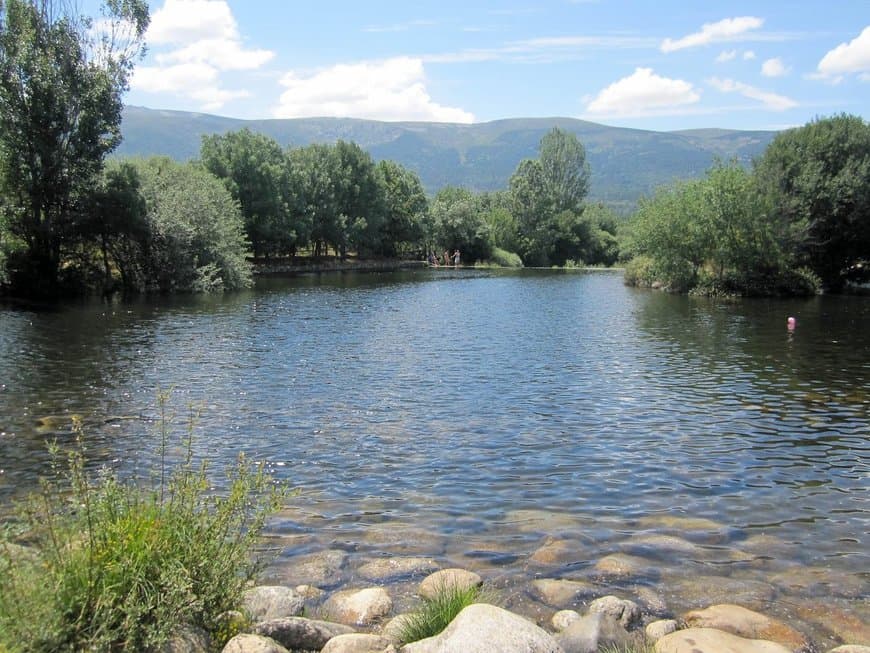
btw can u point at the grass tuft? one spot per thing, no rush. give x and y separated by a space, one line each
117 567
437 612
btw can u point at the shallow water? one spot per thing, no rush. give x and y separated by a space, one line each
468 416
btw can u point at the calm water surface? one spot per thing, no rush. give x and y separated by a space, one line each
475 417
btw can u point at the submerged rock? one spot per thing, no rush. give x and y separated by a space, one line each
448 579
560 593
749 624
710 640
384 569
619 566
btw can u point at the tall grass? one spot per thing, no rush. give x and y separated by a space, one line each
118 566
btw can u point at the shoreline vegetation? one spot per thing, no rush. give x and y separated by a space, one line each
94 562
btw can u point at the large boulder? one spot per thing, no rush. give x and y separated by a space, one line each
359 607
266 602
482 628
591 633
247 643
448 579
187 639
710 640
746 623
300 633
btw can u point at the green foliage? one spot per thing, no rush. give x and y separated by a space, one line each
816 180
640 271
547 196
458 224
256 171
505 259
61 81
197 236
404 207
437 612
119 566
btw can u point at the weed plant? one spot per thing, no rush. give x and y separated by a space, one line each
113 566
437 612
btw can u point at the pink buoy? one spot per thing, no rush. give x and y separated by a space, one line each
792 323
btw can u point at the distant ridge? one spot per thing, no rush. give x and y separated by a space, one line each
626 163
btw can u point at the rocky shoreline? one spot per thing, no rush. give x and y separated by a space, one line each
364 620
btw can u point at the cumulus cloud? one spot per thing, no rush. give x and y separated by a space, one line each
749 55
643 93
851 57
726 55
200 40
774 68
770 100
392 89
728 29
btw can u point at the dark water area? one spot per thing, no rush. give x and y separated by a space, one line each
488 419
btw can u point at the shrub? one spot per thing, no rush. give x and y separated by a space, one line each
117 566
437 612
640 272
506 259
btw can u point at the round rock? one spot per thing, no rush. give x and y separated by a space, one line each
746 623
446 579
626 613
247 643
710 640
356 643
298 633
266 602
359 607
564 618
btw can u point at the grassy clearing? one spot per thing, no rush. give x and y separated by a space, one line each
113 566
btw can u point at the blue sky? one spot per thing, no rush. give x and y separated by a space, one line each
662 65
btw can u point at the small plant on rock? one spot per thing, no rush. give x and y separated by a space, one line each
437 612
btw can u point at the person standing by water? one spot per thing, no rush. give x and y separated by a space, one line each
447 257
456 258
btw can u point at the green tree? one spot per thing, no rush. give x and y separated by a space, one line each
314 171
197 237
817 179
255 170
61 80
458 224
404 209
547 197
359 198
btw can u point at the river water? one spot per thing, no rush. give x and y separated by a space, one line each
522 424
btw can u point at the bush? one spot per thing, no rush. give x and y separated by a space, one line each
118 567
505 259
786 283
437 612
640 272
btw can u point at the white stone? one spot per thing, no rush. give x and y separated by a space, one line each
710 640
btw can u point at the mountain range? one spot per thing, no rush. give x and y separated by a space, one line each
625 163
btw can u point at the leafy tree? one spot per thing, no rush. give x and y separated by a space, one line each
404 208
358 195
255 170
117 220
197 239
458 224
545 193
314 170
61 80
817 178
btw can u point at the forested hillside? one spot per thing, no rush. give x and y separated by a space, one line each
625 163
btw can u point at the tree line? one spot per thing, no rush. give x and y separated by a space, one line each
797 222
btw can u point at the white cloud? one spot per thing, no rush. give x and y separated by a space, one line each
642 93
183 21
749 55
728 29
851 57
774 68
222 54
203 41
393 89
770 100
726 55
